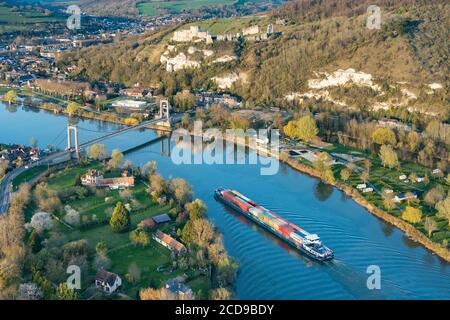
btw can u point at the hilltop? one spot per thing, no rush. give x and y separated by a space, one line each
404 64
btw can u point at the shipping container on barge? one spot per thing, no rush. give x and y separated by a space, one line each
307 243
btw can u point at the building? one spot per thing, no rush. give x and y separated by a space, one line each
94 178
107 281
405 196
162 218
187 35
179 288
169 242
207 99
129 104
147 224
137 92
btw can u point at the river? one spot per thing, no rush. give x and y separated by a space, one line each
269 269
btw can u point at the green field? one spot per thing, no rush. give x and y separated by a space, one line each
157 8
27 176
11 20
121 251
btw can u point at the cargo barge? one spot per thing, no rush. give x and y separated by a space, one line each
303 241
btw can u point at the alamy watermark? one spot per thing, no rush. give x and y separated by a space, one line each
74 20
74 280
374 17
207 147
374 280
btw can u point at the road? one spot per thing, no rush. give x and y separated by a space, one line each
6 189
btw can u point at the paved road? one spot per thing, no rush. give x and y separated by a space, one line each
6 189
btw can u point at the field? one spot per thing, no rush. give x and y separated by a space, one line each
157 8
11 20
28 176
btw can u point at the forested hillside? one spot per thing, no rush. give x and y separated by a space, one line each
409 53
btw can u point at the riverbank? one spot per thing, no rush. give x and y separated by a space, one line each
413 233
409 229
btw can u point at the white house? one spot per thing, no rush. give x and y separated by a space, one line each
404 196
368 190
361 186
107 281
402 177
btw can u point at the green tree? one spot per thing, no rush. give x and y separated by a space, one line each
412 215
10 96
388 156
34 242
384 136
63 292
73 108
120 219
304 129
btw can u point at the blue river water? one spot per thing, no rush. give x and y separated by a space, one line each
270 269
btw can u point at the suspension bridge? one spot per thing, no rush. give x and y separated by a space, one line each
73 150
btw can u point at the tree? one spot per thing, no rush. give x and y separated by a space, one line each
181 190
120 219
199 232
73 108
384 136
220 294
10 96
157 184
116 158
78 180
101 248
149 168
34 242
196 209
3 167
97 152
412 215
388 156
304 129
433 196
157 294
365 176
443 207
185 121
430 226
140 238
413 140
41 221
63 292
345 174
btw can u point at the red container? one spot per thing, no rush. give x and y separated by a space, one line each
241 204
285 230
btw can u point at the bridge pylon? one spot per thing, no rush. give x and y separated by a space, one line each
164 112
74 129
